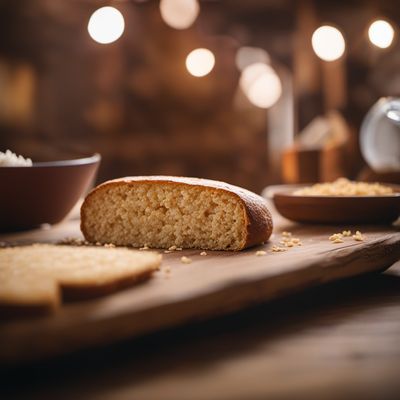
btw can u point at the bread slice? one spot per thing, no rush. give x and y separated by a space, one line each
165 211
33 277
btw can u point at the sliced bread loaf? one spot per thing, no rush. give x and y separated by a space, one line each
164 211
34 277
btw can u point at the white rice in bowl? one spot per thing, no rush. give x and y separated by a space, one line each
10 159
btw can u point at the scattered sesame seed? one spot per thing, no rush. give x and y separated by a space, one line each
359 237
335 236
185 260
172 248
276 249
203 253
260 253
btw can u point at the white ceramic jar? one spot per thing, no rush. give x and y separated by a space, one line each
380 135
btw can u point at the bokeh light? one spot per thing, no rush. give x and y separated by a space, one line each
261 85
247 55
179 14
381 34
200 62
106 25
328 43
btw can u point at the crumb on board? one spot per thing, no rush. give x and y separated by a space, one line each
335 236
172 248
260 253
203 253
358 236
339 237
289 241
186 260
277 249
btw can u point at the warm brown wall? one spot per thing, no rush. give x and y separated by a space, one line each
133 100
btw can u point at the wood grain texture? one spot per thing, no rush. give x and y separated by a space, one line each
211 285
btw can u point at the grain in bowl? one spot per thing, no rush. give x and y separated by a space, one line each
345 187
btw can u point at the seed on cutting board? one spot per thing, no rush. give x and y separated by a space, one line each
186 260
203 253
172 248
286 234
358 236
260 253
290 242
277 249
335 236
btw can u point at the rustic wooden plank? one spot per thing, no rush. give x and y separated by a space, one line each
214 284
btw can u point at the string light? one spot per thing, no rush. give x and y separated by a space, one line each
381 34
328 43
179 14
200 62
106 25
261 85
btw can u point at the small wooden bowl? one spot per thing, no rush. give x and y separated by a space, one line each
336 209
44 192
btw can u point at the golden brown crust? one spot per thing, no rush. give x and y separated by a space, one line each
35 277
257 215
82 292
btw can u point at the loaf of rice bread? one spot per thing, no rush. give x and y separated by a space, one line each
165 211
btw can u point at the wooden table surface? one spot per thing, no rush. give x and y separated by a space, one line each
340 340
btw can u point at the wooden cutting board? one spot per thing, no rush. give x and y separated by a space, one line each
214 284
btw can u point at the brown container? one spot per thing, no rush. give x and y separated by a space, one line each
44 192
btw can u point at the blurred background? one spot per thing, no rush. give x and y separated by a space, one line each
251 92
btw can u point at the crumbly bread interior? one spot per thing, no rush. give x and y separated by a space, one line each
163 215
33 275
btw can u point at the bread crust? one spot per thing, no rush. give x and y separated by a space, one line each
258 219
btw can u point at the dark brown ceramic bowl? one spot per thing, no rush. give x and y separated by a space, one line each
337 209
43 193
